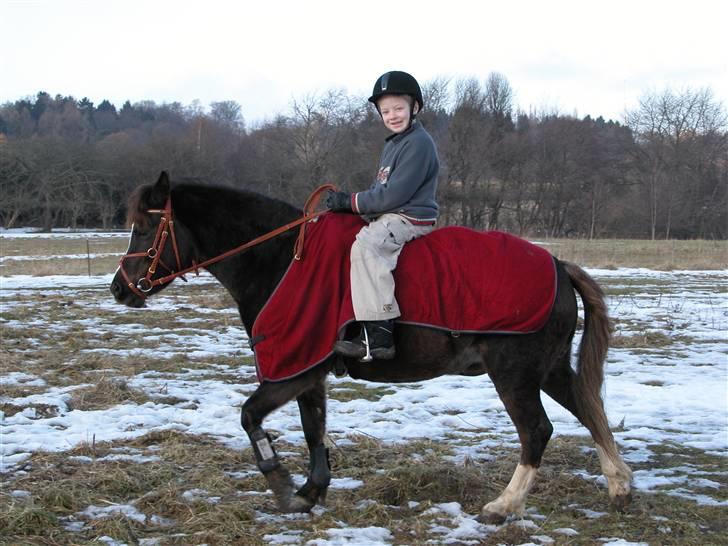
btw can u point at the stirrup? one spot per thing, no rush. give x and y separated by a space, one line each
368 354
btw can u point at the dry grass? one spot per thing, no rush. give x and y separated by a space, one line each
61 485
106 393
20 246
52 248
662 255
348 390
643 340
604 253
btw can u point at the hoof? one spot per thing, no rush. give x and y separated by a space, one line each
297 505
312 493
620 502
490 518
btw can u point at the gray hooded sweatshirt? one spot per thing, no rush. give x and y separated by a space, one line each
406 183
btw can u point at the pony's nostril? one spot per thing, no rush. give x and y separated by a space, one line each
115 289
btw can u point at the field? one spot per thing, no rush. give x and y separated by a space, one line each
121 426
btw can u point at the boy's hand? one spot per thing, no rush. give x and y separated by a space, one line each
338 201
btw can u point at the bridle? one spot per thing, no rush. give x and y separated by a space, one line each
154 253
165 232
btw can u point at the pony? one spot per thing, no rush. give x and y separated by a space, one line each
205 222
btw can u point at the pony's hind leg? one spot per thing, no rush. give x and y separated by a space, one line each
267 398
561 386
312 406
523 404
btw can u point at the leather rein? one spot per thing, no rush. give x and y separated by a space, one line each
165 231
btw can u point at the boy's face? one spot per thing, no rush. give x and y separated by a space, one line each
395 112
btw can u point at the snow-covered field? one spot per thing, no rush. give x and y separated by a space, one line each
667 384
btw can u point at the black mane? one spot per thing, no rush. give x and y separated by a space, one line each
220 206
217 206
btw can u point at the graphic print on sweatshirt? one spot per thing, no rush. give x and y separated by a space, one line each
383 174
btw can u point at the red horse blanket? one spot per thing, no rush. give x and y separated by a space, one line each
454 279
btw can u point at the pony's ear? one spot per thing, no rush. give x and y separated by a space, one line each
160 191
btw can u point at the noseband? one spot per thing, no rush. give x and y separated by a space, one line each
165 230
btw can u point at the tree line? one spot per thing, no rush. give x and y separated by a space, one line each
660 173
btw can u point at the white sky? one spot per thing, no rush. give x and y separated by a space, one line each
580 57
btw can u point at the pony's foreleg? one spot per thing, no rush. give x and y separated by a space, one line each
312 405
260 404
267 398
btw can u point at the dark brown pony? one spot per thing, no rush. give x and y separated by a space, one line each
211 220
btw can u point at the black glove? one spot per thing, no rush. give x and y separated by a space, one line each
338 201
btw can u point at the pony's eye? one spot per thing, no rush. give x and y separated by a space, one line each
141 230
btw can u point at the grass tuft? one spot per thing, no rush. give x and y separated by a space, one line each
643 340
21 519
108 392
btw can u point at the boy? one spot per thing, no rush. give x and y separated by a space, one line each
400 206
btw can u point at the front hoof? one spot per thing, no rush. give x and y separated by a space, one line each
298 505
490 518
621 502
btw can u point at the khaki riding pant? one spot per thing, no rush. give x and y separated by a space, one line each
374 256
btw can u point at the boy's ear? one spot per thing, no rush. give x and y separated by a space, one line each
416 108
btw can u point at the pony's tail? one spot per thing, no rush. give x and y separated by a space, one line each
592 354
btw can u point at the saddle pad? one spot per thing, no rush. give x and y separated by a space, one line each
455 279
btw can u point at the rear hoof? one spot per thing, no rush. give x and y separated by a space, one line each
490 518
620 502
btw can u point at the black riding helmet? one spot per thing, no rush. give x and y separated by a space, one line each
397 82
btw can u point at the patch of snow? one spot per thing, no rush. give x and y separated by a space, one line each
59 233
345 483
21 378
138 459
568 531
450 508
20 494
591 514
355 536
621 542
199 495
526 524
101 512
286 537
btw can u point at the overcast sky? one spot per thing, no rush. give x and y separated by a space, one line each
583 57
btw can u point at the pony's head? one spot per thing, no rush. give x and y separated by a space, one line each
153 253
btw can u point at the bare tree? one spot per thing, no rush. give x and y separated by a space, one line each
68 162
15 188
228 113
669 127
436 94
318 126
498 95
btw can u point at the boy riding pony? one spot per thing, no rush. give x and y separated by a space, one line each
399 207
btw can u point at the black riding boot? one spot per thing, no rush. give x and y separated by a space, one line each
376 341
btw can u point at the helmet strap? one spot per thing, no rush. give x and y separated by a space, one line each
413 114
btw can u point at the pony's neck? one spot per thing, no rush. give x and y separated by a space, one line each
220 219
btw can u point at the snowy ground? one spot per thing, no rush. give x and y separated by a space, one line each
671 393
